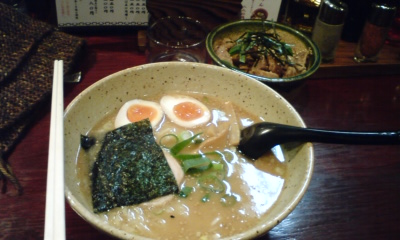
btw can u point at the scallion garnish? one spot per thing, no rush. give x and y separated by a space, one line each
217 166
209 166
257 44
211 183
184 157
164 140
185 135
199 161
206 198
181 145
185 192
202 163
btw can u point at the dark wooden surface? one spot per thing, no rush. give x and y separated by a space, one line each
354 192
344 65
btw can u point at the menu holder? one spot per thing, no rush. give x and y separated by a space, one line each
72 14
104 13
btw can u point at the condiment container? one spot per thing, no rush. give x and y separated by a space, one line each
374 33
328 27
302 14
356 15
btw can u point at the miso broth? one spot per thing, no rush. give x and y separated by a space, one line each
250 187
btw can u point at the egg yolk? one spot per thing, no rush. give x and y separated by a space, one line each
137 113
188 111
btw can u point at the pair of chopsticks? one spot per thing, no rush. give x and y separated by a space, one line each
54 228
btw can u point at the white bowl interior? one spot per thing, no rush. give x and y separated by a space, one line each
110 93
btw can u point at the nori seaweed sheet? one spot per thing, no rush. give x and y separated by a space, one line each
130 169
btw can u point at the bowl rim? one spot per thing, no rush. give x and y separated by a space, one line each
97 223
308 41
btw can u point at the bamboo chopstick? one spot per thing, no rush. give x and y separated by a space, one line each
55 203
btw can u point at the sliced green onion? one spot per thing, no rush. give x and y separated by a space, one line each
185 192
228 200
206 198
288 49
184 157
235 50
217 166
181 145
262 43
159 212
242 58
219 174
185 135
166 138
211 183
202 163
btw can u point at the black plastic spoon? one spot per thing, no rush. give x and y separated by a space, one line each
261 137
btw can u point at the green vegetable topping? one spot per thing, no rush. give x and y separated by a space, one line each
211 183
181 145
201 163
166 139
208 168
185 192
198 162
257 44
217 166
206 198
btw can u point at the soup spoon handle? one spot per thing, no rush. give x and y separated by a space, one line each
259 138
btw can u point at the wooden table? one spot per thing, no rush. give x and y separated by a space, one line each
354 192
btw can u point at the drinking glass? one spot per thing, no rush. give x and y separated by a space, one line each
177 39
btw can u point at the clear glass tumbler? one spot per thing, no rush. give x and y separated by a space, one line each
177 39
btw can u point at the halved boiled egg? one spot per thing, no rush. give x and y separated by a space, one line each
137 110
185 111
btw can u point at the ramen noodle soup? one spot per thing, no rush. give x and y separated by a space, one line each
225 199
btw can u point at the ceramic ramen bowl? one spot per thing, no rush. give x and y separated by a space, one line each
235 29
109 93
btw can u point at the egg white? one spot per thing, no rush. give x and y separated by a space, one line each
122 118
168 103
